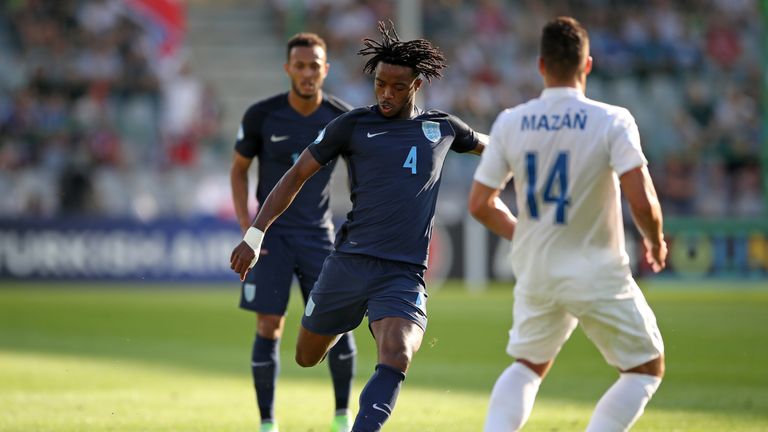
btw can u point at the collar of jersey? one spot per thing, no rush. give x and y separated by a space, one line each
416 109
561 92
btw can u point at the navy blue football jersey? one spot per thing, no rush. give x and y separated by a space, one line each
394 167
273 132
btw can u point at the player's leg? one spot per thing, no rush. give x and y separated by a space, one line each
398 319
342 364
624 403
638 353
513 396
397 340
312 347
540 328
265 291
342 356
265 365
336 305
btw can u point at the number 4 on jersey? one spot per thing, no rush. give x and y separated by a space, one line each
557 173
410 160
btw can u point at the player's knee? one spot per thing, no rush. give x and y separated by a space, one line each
540 369
659 366
397 358
270 326
345 345
308 357
655 367
305 359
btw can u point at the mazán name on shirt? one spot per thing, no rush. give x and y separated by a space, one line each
554 122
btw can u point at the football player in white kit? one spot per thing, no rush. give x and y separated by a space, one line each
570 156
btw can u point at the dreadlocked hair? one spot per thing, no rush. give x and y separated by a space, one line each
419 54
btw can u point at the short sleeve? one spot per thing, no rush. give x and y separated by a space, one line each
494 170
466 138
249 141
624 141
333 139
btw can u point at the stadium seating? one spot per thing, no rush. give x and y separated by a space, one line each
82 91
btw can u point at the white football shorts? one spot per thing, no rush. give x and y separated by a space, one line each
623 329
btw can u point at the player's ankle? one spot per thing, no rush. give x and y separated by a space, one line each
268 426
341 421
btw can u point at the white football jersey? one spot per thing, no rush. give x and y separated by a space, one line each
566 153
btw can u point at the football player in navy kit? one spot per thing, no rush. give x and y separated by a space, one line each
395 154
275 131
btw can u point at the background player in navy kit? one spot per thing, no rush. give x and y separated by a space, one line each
276 130
395 154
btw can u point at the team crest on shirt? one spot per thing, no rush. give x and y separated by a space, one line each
431 130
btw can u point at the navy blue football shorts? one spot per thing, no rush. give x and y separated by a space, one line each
267 286
351 285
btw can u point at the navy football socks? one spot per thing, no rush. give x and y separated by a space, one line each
265 365
377 400
341 361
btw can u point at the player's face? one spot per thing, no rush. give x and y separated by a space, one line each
307 69
395 88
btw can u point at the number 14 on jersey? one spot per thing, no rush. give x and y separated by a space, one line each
555 187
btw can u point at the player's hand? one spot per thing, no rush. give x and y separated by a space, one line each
656 255
246 253
243 258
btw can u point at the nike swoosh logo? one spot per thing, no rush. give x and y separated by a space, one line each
346 356
371 135
386 411
275 138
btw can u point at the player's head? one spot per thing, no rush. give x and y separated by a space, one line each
306 64
397 67
564 53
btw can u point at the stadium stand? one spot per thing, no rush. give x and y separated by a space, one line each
100 112
687 70
103 113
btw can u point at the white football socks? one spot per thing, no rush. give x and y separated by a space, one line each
623 403
512 399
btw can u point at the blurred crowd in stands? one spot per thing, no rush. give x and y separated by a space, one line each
95 119
89 90
690 72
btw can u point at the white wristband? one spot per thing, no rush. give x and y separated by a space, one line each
253 238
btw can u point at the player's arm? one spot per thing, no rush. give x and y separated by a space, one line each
278 200
491 175
238 179
486 206
646 212
467 140
248 146
482 142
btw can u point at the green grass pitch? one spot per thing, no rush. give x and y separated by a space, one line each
106 357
